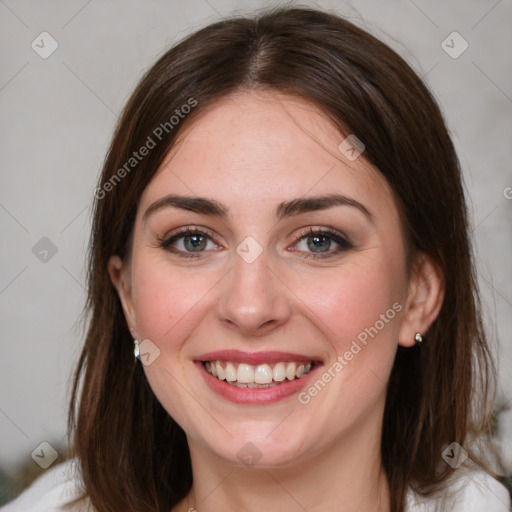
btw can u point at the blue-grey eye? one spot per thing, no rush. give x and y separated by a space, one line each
319 243
194 243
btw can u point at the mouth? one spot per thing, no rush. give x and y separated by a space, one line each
256 378
262 376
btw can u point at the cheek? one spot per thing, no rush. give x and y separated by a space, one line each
168 307
167 300
357 303
358 311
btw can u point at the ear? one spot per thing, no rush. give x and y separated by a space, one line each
424 300
120 277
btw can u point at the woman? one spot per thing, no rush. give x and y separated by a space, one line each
280 238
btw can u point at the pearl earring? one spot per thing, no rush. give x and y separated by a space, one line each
418 338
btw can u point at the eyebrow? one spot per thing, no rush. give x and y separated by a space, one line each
205 206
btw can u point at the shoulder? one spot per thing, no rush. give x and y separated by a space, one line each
51 491
469 491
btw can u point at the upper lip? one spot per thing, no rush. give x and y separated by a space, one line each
255 358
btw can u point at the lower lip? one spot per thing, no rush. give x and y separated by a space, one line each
255 395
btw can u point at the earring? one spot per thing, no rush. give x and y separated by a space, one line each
418 338
136 351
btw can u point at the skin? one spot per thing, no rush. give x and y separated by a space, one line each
250 152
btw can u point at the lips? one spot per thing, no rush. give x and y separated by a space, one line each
258 377
255 358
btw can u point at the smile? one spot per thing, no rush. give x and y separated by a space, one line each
264 375
258 377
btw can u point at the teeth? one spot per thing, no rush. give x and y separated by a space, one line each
261 376
230 372
220 371
253 385
279 373
245 373
291 368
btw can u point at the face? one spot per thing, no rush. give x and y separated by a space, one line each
283 269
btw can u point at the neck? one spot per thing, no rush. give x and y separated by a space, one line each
347 476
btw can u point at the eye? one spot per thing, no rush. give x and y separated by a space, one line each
188 242
191 242
319 243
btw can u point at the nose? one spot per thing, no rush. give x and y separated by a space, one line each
254 301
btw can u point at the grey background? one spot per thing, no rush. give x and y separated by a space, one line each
58 115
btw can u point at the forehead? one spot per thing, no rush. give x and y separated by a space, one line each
255 148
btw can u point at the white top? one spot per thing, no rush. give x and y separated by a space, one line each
470 492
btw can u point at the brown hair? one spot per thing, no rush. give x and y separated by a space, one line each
133 455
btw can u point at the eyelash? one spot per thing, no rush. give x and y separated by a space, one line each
338 238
